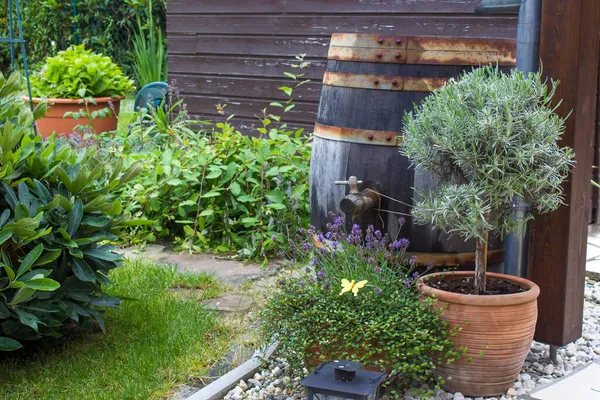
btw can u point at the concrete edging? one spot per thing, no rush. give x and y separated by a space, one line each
219 388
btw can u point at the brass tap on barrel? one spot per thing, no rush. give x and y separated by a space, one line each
356 202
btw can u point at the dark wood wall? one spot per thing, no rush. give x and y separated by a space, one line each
235 52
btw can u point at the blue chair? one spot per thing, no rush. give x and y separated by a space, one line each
152 94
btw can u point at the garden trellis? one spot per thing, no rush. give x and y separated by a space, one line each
15 8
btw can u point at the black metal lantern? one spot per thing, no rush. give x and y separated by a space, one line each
341 380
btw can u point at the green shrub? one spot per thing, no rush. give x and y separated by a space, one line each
77 73
216 190
59 211
105 26
358 301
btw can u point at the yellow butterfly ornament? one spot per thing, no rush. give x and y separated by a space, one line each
353 286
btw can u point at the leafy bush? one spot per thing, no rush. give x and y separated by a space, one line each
215 190
357 300
77 73
105 26
59 210
491 137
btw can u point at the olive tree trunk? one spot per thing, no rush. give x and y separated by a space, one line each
481 263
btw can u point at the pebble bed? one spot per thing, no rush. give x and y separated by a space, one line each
272 383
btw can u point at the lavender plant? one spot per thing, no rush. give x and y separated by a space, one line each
356 299
491 137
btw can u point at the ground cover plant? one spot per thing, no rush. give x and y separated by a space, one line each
490 137
151 344
58 211
356 300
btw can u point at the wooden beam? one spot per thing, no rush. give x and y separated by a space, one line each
569 53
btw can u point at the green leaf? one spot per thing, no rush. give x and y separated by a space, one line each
43 284
105 301
48 257
5 234
235 189
246 199
276 196
22 295
9 272
75 217
30 259
82 270
11 197
214 174
211 194
8 344
28 319
207 212
287 90
103 254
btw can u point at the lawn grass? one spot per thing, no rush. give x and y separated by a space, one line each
150 346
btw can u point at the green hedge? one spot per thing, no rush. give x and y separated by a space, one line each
105 26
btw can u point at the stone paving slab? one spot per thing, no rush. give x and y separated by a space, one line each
229 302
229 271
582 385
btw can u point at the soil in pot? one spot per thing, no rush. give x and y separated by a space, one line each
496 330
465 285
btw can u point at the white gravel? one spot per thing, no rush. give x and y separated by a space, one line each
273 383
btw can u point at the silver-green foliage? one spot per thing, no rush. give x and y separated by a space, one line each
490 136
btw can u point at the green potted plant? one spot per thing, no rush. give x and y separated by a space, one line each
356 301
82 89
490 137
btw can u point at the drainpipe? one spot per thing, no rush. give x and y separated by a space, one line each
516 245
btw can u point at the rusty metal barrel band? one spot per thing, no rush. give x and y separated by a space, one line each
352 135
383 82
431 57
359 40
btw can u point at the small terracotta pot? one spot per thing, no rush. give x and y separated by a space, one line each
497 332
54 120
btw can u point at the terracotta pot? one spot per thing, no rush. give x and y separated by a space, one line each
496 330
53 121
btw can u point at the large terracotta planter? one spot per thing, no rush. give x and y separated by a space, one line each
496 330
54 120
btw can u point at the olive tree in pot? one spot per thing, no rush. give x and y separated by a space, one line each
490 137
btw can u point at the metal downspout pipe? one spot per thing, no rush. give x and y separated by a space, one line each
516 245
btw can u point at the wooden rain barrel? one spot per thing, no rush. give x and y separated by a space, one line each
370 81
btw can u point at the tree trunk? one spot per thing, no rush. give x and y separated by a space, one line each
481 263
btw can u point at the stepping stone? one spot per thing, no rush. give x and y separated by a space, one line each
229 271
229 302
582 385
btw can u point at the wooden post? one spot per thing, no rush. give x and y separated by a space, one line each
569 53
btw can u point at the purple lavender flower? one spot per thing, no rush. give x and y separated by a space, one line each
377 270
378 234
281 254
399 244
412 261
329 235
371 260
326 286
339 220
407 282
321 274
321 238
301 283
315 261
377 291
306 246
302 231
356 230
274 238
401 221
313 278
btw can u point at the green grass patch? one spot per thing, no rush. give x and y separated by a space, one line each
151 344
